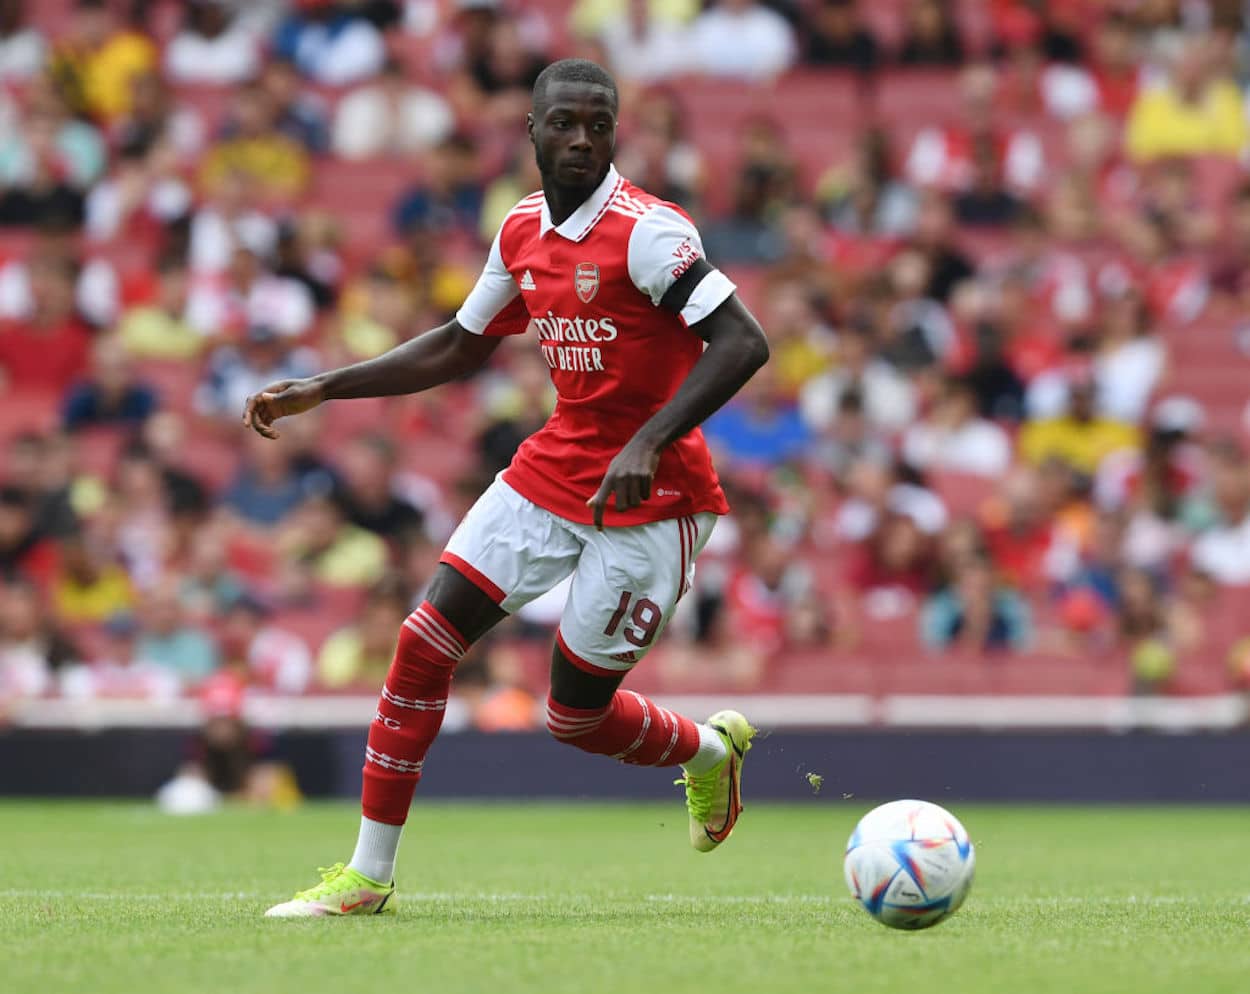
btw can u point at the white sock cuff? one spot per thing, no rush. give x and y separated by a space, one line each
711 752
376 847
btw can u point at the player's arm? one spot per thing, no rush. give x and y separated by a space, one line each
439 356
736 348
493 309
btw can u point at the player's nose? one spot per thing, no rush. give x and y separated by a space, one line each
579 140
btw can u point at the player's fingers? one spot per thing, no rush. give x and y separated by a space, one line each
622 495
597 503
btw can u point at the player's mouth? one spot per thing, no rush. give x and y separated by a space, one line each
578 167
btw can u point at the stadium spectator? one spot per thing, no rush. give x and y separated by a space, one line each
324 548
802 343
935 239
330 43
1222 551
41 467
32 647
977 613
495 82
209 586
1106 83
515 405
1195 110
359 655
885 575
250 296
48 162
837 35
849 438
373 310
234 372
391 117
97 62
368 493
167 642
1080 437
159 329
659 154
309 252
213 46
888 399
257 150
232 217
941 155
930 36
25 551
504 704
253 644
90 585
48 350
22 47
449 198
144 194
741 39
761 427
298 114
867 197
519 179
156 121
1131 360
645 42
270 486
953 438
986 203
1230 277
111 395
765 184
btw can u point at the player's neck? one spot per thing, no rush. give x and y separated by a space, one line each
563 201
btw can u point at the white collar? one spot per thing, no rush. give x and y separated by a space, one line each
580 223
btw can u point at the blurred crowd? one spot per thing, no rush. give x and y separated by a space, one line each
1000 248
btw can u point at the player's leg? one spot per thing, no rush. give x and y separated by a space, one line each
626 589
432 640
505 552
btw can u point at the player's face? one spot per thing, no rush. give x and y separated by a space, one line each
574 135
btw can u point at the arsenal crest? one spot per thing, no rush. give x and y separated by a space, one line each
586 281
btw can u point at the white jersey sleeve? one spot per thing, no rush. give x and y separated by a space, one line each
663 246
494 306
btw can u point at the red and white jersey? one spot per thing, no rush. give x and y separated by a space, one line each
592 287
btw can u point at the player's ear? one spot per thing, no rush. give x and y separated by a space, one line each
529 124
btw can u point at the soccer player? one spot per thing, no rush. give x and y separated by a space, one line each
645 339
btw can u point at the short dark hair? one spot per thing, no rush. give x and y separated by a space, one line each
573 71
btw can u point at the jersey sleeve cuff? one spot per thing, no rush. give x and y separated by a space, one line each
470 323
713 290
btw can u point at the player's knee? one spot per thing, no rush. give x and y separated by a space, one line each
574 726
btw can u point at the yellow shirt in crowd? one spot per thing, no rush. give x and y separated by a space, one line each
1160 123
1081 444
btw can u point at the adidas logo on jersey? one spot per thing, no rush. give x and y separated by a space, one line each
527 281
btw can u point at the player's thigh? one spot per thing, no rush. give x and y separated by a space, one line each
626 588
510 548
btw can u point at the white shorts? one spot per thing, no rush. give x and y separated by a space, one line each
626 581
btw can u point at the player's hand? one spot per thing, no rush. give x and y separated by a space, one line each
628 478
280 400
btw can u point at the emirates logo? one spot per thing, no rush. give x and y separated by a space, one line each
586 281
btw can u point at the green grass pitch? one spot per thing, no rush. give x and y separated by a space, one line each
603 899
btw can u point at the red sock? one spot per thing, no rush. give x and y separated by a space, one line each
631 729
410 713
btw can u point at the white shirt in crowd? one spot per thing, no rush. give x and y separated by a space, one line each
1224 553
354 53
21 55
889 402
231 57
752 42
659 52
370 122
978 447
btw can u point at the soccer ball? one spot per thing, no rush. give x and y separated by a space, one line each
909 863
